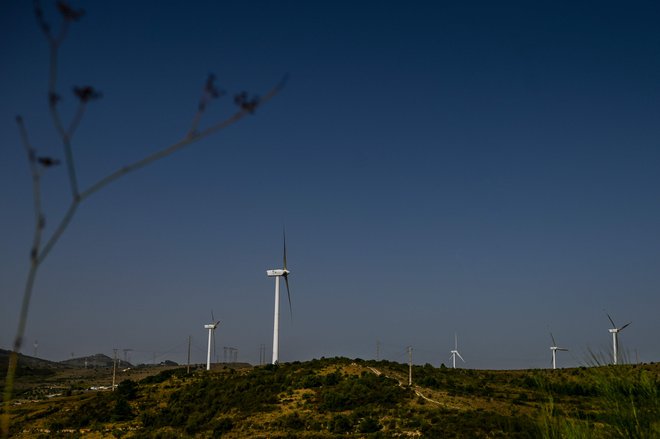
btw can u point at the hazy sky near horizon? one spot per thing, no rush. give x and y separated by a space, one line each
485 168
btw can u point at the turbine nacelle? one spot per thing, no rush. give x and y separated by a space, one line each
279 272
212 325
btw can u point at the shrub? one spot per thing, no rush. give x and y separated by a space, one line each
341 424
369 425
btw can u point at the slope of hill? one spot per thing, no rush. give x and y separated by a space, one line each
98 360
29 365
354 398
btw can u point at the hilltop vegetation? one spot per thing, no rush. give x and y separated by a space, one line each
353 398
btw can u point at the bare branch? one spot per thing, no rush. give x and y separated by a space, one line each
210 92
43 24
82 106
189 139
39 220
53 100
85 94
59 230
39 225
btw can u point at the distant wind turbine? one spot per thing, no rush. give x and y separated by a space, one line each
615 337
455 352
211 327
554 350
277 274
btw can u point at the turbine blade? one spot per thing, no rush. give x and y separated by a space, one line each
212 318
284 241
288 294
554 343
612 321
624 326
459 356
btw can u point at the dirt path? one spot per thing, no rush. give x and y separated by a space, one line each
401 384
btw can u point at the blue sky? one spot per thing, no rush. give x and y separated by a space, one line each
441 167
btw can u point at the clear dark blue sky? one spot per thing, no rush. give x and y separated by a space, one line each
441 167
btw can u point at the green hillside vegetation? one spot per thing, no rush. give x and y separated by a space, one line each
340 397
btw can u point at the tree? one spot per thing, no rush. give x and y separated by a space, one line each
84 95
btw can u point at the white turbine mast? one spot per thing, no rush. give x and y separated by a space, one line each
554 350
211 327
277 274
615 337
455 353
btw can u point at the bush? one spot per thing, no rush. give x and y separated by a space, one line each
341 424
369 425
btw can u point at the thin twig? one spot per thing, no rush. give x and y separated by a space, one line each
53 99
209 92
61 227
34 266
191 138
75 122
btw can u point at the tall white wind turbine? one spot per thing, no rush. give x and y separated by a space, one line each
615 337
211 327
277 274
455 352
554 350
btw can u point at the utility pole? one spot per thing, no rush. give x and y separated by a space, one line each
114 369
188 369
410 365
126 351
230 354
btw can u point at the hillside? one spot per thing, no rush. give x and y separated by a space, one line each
98 360
27 363
354 398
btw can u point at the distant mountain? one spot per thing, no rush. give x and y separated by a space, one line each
97 360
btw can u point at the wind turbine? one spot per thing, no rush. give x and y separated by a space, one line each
455 353
615 337
277 274
211 327
554 350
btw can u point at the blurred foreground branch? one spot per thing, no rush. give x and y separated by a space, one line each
39 251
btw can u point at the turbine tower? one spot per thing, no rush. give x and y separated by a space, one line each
615 337
455 352
277 274
554 350
211 327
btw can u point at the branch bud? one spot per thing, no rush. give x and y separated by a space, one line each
69 13
86 93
